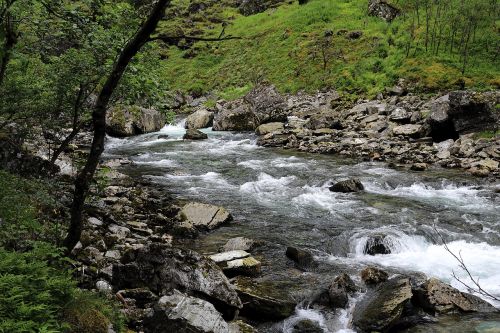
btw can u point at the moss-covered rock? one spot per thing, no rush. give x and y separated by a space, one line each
122 121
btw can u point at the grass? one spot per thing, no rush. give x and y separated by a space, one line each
283 46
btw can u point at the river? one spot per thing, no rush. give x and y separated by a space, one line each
282 198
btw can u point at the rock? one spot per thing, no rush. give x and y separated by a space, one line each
411 131
142 297
251 7
307 326
162 269
264 301
419 167
437 297
382 9
194 134
237 262
196 216
199 119
376 245
185 314
302 257
382 307
338 297
347 186
240 326
373 276
400 115
355 34
324 120
269 128
119 231
237 116
103 286
239 243
267 104
122 121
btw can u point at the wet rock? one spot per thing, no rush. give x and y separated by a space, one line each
194 134
239 243
269 128
383 9
347 186
200 119
196 216
240 326
307 326
267 104
437 297
410 131
372 276
236 116
382 307
419 166
376 245
338 297
264 301
302 257
162 268
185 314
123 121
237 262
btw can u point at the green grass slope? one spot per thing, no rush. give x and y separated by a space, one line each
287 46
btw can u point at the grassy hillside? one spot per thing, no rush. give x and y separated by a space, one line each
287 46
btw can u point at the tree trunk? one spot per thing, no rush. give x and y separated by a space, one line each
84 178
10 41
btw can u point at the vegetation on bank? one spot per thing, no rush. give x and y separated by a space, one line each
37 290
309 47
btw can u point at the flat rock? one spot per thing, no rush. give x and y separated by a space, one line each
237 262
239 243
198 216
410 130
269 128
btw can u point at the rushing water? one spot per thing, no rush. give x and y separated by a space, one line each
282 198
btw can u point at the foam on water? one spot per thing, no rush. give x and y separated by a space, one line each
285 163
302 314
161 163
267 184
323 198
212 178
175 130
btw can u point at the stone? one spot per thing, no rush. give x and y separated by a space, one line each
113 254
142 297
267 104
194 134
376 245
162 268
302 257
269 128
181 313
119 231
239 243
264 301
347 186
437 297
383 9
307 326
103 286
473 111
410 130
372 276
240 326
236 116
400 115
237 262
419 167
382 307
354 34
196 216
324 119
123 121
199 119
95 222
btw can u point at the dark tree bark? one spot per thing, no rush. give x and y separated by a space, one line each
84 178
10 40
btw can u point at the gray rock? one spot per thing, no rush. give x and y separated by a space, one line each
437 297
239 243
302 257
267 104
400 115
200 119
125 121
264 301
382 307
269 128
185 314
376 245
372 276
410 130
382 9
196 216
162 268
236 116
237 262
194 134
347 186
324 119
240 326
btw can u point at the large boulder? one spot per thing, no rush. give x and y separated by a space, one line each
383 9
184 314
162 269
382 307
338 291
196 216
373 276
269 128
437 297
200 119
123 121
267 104
302 257
236 116
411 130
264 301
325 119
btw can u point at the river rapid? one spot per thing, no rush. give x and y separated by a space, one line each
282 198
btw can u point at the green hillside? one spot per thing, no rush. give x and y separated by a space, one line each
290 46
